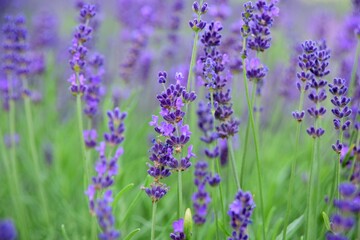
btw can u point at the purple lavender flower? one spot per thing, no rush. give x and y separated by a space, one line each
260 24
348 205
90 137
255 70
78 51
168 155
45 26
201 198
341 111
315 61
197 24
94 90
240 212
116 127
105 218
15 61
178 233
7 230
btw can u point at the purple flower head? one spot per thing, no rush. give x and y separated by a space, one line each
255 71
105 217
116 127
90 137
7 230
178 227
201 198
348 206
46 27
156 192
165 154
240 211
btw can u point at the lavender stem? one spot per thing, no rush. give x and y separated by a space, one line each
153 221
293 167
250 107
35 156
246 142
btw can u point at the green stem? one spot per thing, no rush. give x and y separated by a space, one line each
153 221
216 161
216 214
250 107
354 69
217 166
293 168
190 84
83 148
19 206
310 193
234 167
179 194
246 142
35 158
338 168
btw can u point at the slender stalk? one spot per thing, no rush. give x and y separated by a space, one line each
338 168
310 193
20 210
293 168
354 69
83 148
250 107
35 157
179 194
246 141
234 167
217 166
153 221
216 161
190 82
216 214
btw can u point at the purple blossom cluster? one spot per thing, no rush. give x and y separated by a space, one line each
341 111
106 169
348 206
240 212
197 24
15 60
201 198
262 17
215 80
79 52
317 63
178 233
7 230
257 21
167 153
94 90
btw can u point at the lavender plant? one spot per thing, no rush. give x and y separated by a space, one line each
240 211
167 152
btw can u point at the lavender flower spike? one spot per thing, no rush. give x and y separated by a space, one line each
165 153
7 230
240 212
178 233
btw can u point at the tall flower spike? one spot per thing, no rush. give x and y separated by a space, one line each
167 153
178 233
316 62
341 111
348 207
78 51
240 212
201 198
197 24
